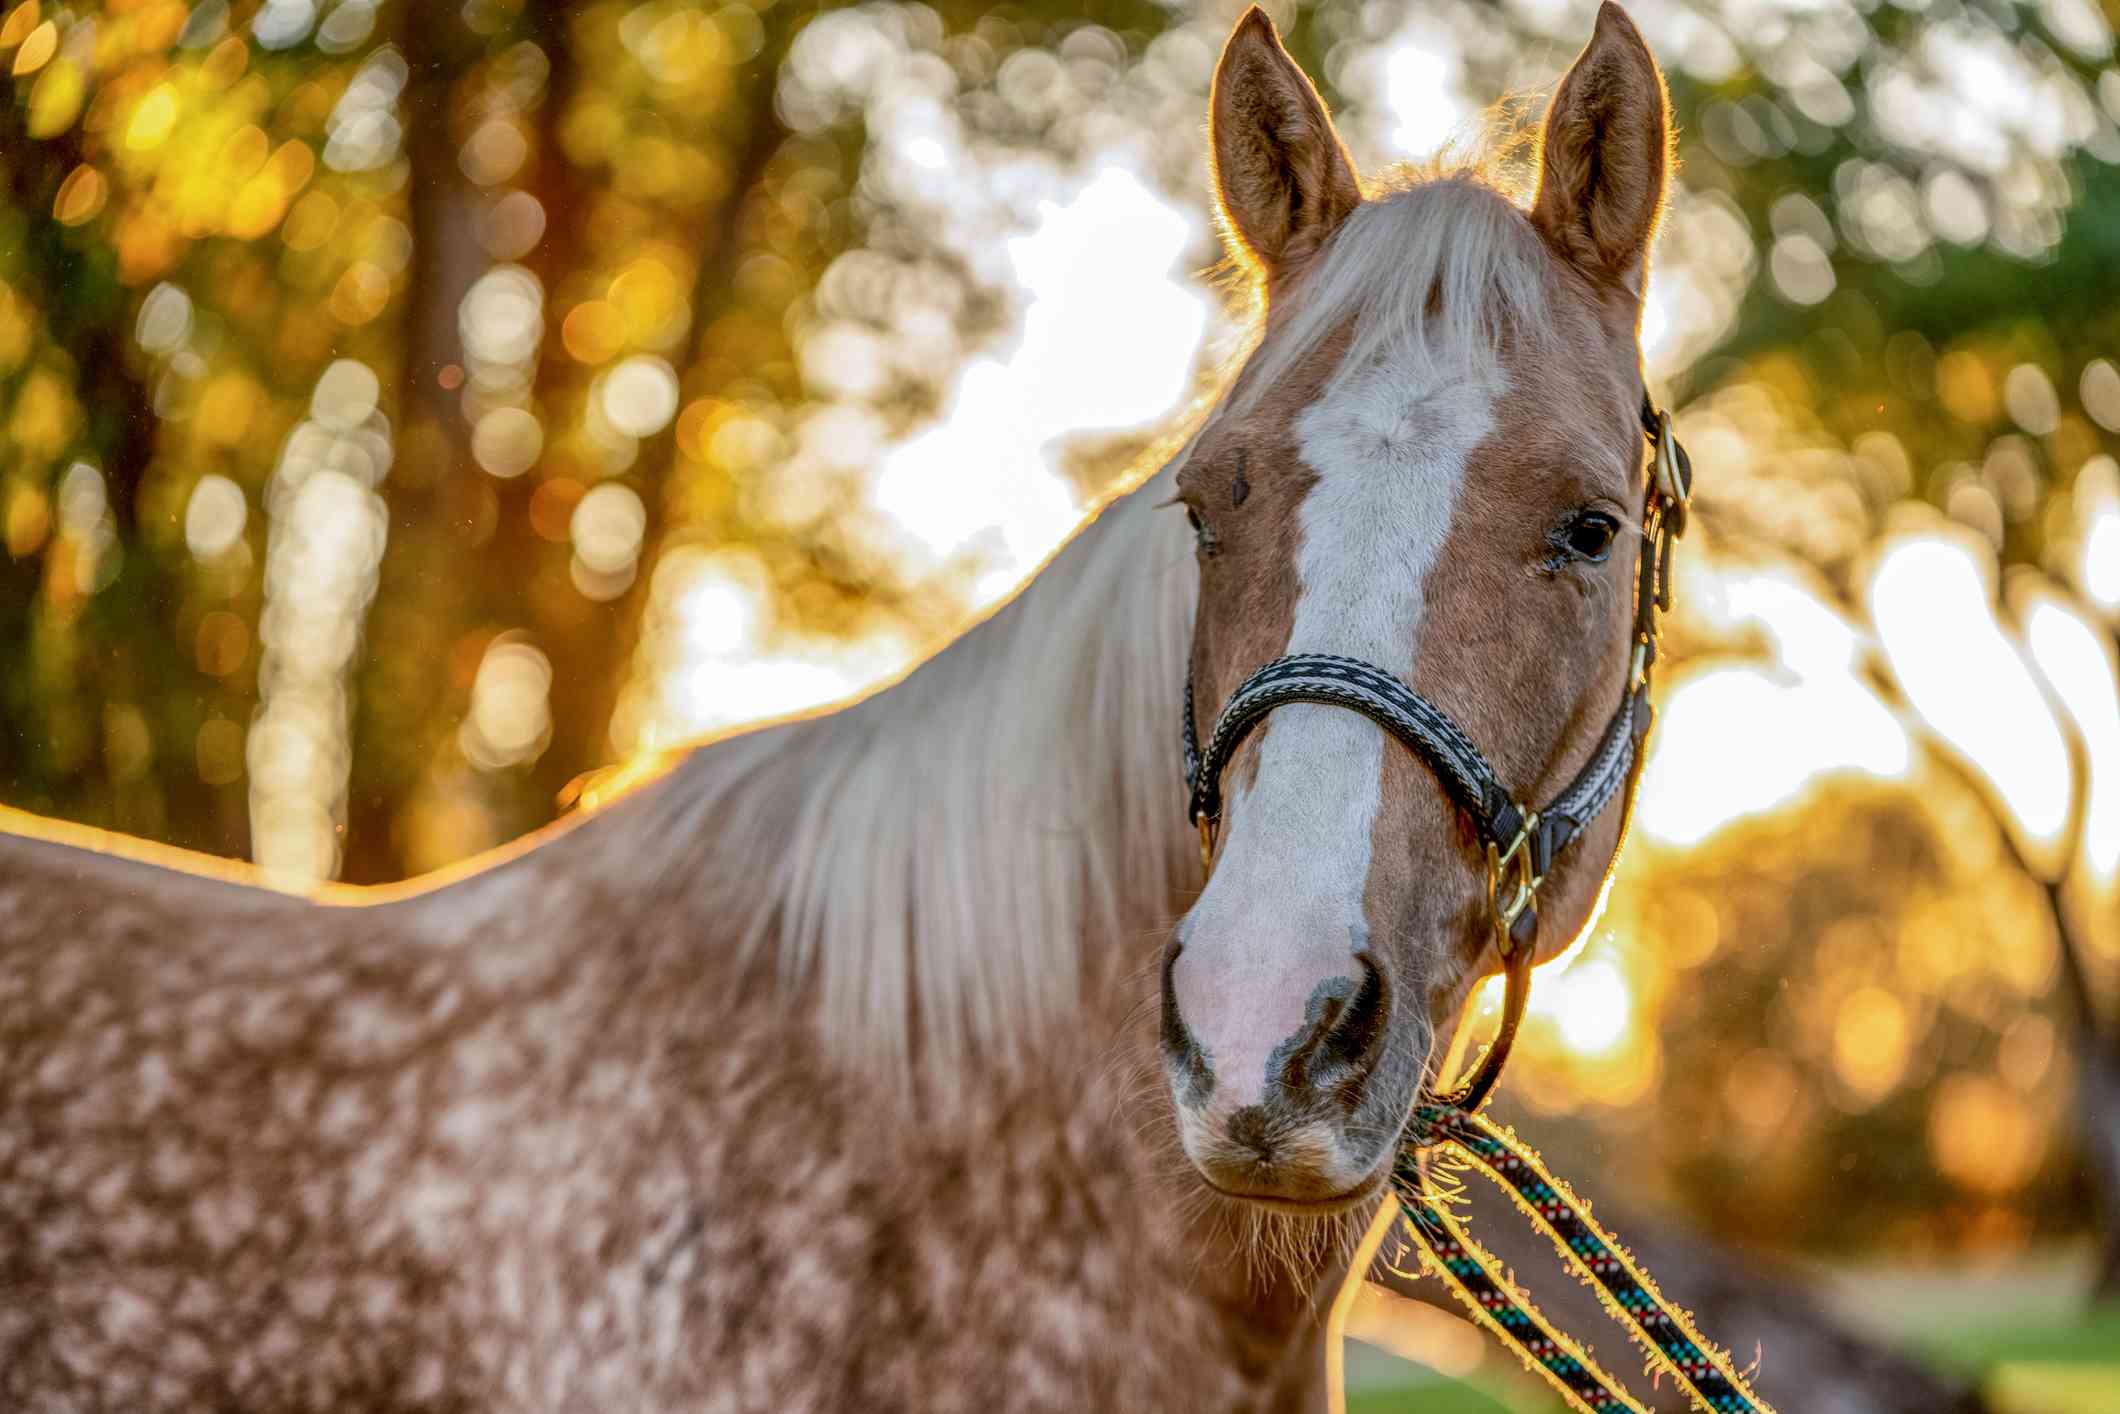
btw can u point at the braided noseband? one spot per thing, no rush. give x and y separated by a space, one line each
1522 843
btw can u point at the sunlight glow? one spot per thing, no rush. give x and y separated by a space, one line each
510 721
1930 600
1739 739
2075 659
327 528
214 516
711 611
2101 557
1872 1038
1110 331
1705 263
1810 639
1591 1004
1421 78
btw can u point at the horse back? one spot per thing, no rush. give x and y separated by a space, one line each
513 1146
234 1170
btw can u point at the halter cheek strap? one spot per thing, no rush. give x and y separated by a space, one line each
1522 843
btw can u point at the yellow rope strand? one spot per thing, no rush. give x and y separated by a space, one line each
1489 1320
1682 1319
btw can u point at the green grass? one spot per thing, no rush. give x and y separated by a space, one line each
1434 1397
2094 1340
2039 1368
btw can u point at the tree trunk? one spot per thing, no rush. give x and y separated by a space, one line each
2097 1042
2098 1125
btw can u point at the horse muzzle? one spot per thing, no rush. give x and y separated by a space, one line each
1290 1083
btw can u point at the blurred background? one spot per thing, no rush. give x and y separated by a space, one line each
409 406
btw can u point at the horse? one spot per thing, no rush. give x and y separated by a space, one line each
899 1058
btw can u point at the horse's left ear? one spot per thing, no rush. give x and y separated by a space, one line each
1605 154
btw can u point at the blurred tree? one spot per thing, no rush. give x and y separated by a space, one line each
604 169
2096 1039
148 157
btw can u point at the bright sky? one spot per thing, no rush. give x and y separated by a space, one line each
1738 739
2077 660
708 612
1930 598
1422 92
1111 332
1111 328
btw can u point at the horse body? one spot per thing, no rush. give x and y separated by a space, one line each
824 1072
553 1137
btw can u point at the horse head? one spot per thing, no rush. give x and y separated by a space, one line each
1430 463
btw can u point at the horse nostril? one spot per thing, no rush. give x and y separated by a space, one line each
1348 1037
1361 1030
1194 1075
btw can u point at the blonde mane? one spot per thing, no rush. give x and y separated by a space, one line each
938 861
1436 263
952 843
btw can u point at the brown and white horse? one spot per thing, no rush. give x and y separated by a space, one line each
825 1072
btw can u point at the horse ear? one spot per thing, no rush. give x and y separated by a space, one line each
1283 177
1604 155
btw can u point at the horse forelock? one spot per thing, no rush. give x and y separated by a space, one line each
1437 265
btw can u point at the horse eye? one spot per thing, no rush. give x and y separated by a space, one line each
1589 536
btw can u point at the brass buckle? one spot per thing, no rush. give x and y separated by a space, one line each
1668 482
1638 665
1509 871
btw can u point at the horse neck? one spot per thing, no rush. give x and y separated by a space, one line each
978 864
943 869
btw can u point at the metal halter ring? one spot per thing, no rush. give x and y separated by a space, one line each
1510 871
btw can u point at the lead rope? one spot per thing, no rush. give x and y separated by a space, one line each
1664 1331
1488 1293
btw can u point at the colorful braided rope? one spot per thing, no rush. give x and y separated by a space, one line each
1472 1272
1660 1328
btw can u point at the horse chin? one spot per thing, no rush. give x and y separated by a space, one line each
1282 1240
1330 1205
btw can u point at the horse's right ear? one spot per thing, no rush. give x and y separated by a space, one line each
1283 177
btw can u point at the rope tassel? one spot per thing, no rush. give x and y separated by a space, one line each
1664 1331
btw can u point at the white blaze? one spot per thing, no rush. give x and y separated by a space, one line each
1389 448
